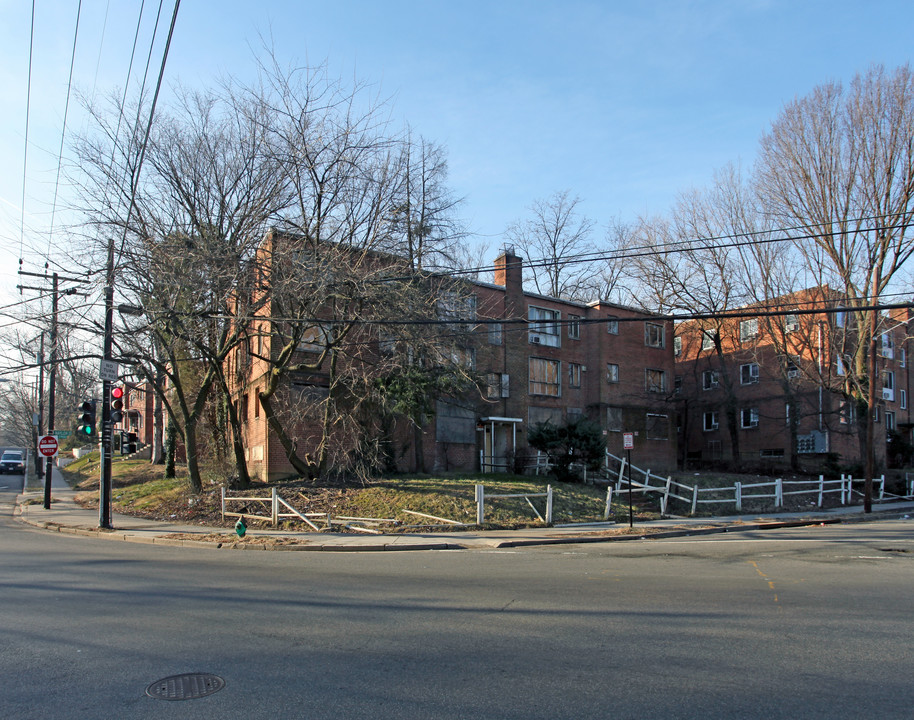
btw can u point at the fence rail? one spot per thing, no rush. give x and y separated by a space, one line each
847 487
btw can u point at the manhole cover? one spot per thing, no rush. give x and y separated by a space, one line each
185 687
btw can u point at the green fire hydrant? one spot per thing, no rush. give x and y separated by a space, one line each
240 527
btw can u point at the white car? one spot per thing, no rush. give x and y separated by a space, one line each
12 462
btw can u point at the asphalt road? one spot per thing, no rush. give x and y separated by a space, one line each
812 623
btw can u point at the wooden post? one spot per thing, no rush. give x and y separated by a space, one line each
274 508
223 502
480 503
882 487
621 475
694 498
549 504
665 500
609 500
821 489
738 495
778 493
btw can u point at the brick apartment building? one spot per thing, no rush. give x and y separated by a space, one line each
537 359
770 390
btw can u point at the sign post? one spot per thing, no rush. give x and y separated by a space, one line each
628 442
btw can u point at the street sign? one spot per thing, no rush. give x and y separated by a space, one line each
47 446
60 434
107 370
628 441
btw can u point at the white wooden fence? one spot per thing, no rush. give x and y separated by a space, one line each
481 503
664 488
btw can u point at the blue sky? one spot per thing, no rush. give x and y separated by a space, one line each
625 104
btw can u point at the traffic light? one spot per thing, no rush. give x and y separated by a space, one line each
117 404
86 419
128 443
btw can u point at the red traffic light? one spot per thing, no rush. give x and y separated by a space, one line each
117 392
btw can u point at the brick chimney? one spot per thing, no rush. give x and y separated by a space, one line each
509 270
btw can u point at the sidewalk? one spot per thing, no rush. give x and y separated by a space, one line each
66 516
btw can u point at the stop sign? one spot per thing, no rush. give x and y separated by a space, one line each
47 446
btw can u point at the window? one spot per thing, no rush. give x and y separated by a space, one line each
748 329
708 338
710 421
243 408
657 426
463 357
574 375
772 453
497 386
677 384
544 326
876 414
256 398
889 421
888 385
839 365
748 418
612 373
612 325
614 419
903 399
748 373
458 309
840 318
902 357
677 345
715 449
654 380
791 322
544 377
888 346
574 327
495 334
793 369
653 335
846 413
710 379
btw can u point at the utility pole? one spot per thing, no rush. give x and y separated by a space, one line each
52 370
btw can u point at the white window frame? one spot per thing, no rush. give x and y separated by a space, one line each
544 326
654 335
753 374
574 327
614 419
677 345
889 420
651 425
575 375
612 325
708 338
888 385
748 329
710 421
710 379
887 345
791 322
903 399
752 418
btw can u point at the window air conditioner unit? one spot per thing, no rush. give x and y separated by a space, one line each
888 394
535 339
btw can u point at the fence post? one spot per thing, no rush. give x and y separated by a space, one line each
480 502
694 498
778 493
621 473
549 504
647 477
274 508
609 500
223 502
665 500
738 495
821 489
882 487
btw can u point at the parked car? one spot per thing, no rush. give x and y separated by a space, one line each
12 462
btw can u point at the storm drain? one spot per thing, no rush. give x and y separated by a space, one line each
185 687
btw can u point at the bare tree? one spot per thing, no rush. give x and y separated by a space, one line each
838 164
186 231
556 242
